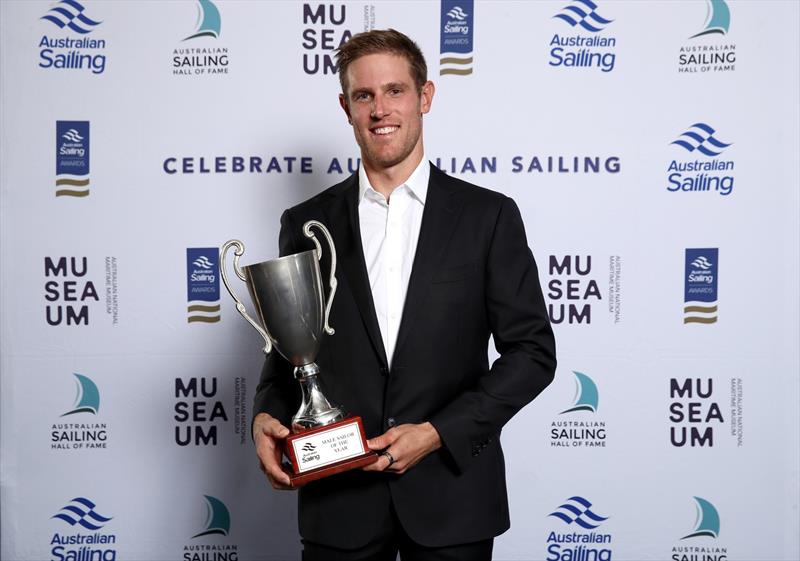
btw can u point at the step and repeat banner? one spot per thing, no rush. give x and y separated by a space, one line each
652 148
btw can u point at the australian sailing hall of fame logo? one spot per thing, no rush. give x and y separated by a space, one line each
584 45
701 544
579 426
709 49
70 44
79 427
200 54
212 542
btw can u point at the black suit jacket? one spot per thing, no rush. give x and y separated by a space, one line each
473 275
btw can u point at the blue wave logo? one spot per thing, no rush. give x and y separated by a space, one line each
209 21
203 262
218 519
707 523
458 13
583 13
586 395
578 510
702 262
81 511
68 13
72 135
87 399
718 19
700 137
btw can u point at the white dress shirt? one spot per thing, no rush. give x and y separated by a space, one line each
389 234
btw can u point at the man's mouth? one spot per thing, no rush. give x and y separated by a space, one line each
382 131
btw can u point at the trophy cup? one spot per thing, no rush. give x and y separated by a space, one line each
288 297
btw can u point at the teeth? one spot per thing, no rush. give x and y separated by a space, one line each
384 130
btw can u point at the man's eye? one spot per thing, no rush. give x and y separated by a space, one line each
362 96
395 91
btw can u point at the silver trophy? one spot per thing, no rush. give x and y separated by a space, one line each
288 297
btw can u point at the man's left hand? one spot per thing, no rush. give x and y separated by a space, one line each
403 446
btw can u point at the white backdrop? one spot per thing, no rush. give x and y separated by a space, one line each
139 491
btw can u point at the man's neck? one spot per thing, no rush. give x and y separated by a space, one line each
386 180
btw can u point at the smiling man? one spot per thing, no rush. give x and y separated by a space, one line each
431 266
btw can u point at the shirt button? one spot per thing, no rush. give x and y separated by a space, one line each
390 422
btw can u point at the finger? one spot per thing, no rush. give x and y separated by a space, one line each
275 429
277 476
381 465
383 441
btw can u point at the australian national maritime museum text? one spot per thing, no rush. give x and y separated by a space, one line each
556 164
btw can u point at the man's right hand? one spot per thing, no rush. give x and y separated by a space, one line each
267 431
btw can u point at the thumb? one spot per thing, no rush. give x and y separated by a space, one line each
380 442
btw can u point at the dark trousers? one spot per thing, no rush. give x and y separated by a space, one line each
393 539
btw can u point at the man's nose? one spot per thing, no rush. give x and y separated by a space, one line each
379 109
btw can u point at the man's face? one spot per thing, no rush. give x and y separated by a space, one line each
385 109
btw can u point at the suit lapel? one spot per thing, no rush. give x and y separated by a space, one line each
343 217
438 223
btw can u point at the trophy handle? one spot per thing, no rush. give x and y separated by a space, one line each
238 251
309 234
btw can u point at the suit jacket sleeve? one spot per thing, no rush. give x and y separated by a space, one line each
522 335
277 392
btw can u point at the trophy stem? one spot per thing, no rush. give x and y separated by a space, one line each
315 409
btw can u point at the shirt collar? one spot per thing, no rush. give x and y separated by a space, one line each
417 182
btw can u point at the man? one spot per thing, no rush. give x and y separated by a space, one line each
430 266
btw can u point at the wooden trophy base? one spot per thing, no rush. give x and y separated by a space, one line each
328 450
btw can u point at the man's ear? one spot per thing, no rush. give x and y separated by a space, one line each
345 107
426 96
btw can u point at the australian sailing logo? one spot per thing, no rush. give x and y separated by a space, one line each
203 58
68 51
709 50
586 47
88 543
72 158
202 274
706 173
700 299
580 542
457 44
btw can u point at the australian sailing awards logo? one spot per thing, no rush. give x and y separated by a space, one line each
577 537
72 158
586 46
79 429
201 55
701 169
211 541
86 540
700 289
457 37
202 274
70 45
578 426
709 49
700 543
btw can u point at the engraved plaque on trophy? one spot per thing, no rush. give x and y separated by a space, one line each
288 297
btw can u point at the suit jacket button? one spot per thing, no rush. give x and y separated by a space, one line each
384 371
390 422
